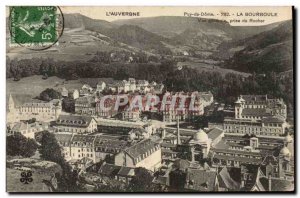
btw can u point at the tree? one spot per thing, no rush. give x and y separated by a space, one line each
142 182
177 180
50 150
19 145
49 94
68 105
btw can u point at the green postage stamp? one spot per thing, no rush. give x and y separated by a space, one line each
35 27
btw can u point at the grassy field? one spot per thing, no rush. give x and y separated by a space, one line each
34 85
69 48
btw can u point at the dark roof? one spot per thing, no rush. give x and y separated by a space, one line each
109 169
141 148
63 139
85 160
168 151
270 159
168 145
74 121
240 159
254 112
83 138
273 119
126 171
214 133
182 164
183 132
85 100
109 145
200 180
229 178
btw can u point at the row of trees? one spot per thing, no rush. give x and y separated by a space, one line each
19 145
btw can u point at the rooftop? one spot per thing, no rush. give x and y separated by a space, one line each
254 112
273 119
214 133
141 148
200 180
83 138
74 121
109 169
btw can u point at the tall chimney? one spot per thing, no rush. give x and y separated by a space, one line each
178 131
270 182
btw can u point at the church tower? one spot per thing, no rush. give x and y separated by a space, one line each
11 104
239 105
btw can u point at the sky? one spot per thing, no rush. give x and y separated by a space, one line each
235 13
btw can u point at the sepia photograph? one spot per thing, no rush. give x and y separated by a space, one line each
150 99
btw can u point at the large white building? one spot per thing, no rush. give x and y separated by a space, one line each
146 154
258 115
75 124
40 110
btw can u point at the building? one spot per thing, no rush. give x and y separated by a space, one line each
109 108
183 109
64 140
258 106
258 115
201 180
234 151
83 146
75 124
100 86
131 114
28 129
145 154
117 173
253 178
86 90
74 94
193 145
267 126
85 105
133 85
229 179
108 146
40 110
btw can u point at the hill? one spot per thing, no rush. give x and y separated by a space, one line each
171 26
271 50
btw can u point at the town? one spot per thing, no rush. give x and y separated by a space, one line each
250 149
